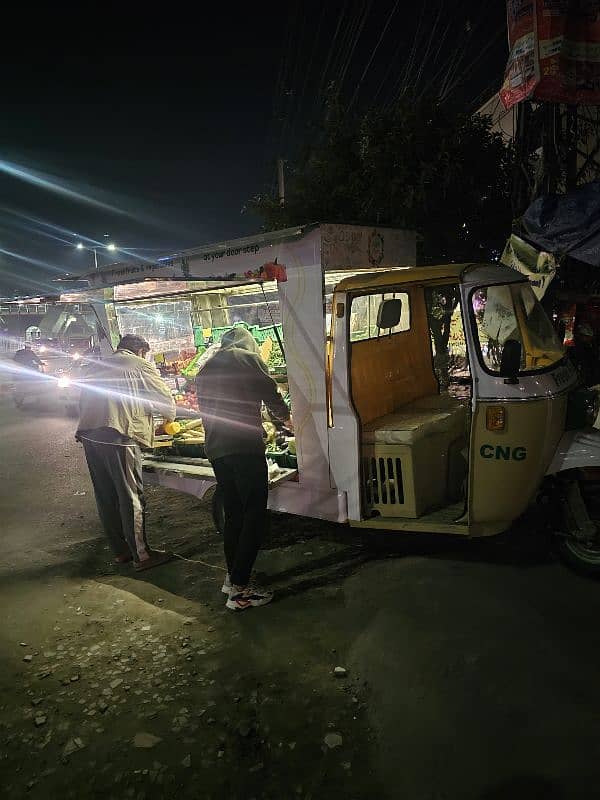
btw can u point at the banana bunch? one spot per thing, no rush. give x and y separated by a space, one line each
191 432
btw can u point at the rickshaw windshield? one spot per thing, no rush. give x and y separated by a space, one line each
512 311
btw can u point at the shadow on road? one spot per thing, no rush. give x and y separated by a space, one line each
522 546
299 554
526 787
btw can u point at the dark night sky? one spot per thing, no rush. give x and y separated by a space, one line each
174 120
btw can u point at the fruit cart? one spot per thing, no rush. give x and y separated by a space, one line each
280 287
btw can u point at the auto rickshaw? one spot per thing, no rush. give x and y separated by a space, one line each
465 459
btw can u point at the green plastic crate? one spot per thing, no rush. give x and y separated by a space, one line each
218 333
283 459
258 334
268 332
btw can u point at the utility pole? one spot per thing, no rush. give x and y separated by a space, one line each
281 181
571 140
562 142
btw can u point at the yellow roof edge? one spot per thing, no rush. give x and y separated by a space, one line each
399 275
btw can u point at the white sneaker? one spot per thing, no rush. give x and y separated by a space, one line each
227 585
248 598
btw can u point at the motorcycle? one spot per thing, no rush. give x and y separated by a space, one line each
31 385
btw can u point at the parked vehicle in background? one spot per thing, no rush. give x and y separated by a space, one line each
31 384
68 385
63 336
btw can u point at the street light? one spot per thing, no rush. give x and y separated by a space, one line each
110 246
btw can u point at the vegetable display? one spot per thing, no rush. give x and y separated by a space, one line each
190 433
275 360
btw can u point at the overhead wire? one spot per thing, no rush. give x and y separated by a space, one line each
340 56
309 67
444 67
429 44
410 56
332 46
409 75
441 58
355 41
406 69
467 69
288 87
373 54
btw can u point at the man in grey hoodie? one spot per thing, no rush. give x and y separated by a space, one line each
231 389
118 397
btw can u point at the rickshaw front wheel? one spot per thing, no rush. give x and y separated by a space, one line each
581 556
575 501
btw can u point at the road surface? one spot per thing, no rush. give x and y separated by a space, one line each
472 671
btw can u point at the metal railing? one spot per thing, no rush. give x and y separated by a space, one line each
10 344
23 308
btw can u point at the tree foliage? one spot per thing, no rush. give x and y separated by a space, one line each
416 165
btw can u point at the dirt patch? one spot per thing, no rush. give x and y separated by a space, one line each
146 687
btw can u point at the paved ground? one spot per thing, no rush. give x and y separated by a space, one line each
472 670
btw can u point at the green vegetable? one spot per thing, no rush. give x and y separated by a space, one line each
192 368
275 358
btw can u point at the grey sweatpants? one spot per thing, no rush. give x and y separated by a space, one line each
116 472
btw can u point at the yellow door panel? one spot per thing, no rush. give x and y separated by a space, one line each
508 465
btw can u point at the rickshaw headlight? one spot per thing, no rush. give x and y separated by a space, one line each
592 408
582 409
495 418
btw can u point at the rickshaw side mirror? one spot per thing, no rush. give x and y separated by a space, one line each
389 313
510 363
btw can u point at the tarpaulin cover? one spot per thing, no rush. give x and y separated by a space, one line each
567 224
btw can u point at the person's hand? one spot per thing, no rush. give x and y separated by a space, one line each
289 425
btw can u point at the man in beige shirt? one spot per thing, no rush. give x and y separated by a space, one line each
118 397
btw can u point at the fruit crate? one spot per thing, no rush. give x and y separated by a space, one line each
258 334
283 459
189 450
268 332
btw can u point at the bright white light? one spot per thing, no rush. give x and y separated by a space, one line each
76 356
64 382
111 246
79 246
43 348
